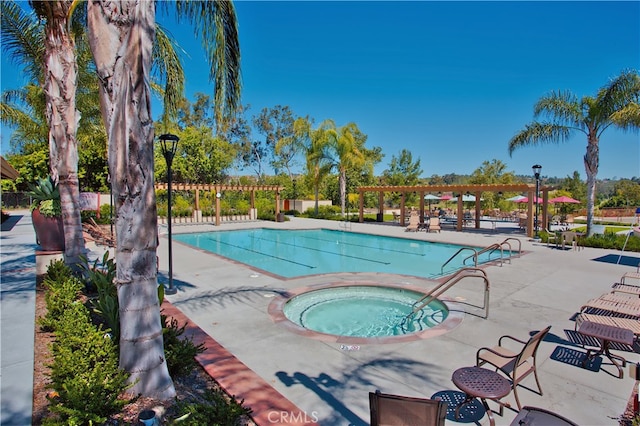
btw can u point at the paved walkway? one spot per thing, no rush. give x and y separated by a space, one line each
17 311
230 302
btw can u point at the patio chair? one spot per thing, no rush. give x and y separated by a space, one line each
414 223
434 224
633 290
534 416
515 365
571 238
613 305
395 410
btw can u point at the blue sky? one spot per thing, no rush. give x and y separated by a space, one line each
450 81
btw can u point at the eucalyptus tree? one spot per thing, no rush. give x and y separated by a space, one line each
615 105
121 36
276 124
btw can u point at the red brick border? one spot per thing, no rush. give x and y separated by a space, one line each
269 407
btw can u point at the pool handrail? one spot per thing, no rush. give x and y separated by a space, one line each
450 282
460 250
492 247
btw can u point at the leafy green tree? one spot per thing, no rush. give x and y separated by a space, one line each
402 171
575 187
615 105
121 36
277 124
491 172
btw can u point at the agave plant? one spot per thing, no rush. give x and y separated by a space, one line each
46 197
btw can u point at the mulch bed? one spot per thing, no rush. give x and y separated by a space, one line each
189 387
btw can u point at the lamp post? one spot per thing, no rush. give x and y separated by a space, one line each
168 146
536 173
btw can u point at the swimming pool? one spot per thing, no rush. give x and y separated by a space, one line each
294 253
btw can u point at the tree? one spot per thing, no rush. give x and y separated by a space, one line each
616 104
402 171
276 124
491 172
59 86
318 158
121 36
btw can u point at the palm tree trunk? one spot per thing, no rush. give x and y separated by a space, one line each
59 86
343 190
591 159
121 36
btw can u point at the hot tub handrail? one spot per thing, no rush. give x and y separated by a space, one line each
455 278
460 250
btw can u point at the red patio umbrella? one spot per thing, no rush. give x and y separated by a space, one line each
564 199
526 200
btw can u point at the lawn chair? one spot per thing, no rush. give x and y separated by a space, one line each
533 416
395 410
414 223
633 290
434 224
515 365
613 305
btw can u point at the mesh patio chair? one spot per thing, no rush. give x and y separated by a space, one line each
533 416
396 410
515 365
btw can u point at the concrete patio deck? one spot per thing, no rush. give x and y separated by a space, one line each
330 381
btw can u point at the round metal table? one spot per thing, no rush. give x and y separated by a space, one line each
481 383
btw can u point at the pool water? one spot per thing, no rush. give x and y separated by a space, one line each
295 253
363 311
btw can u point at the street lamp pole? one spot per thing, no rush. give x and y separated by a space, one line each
536 173
168 146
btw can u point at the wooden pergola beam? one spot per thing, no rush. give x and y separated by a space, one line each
461 189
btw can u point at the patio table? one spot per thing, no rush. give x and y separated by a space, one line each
606 334
477 382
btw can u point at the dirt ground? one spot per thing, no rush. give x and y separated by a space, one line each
189 387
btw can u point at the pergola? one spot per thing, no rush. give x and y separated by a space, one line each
219 188
459 191
7 170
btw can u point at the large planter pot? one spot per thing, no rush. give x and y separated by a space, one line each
49 231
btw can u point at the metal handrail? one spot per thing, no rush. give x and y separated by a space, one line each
455 254
455 278
492 247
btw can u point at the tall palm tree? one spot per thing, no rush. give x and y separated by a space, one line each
316 149
616 104
347 143
121 36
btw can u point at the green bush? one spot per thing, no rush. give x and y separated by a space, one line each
100 278
62 290
324 212
216 409
179 353
84 372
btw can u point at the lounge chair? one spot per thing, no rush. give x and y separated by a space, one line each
633 290
613 305
533 416
395 410
627 275
434 224
414 223
628 323
515 365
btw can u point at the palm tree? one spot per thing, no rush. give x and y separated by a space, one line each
347 143
121 36
316 149
616 104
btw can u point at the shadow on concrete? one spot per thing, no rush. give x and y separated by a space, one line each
330 389
574 357
11 221
471 412
619 259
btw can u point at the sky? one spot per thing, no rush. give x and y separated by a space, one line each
451 81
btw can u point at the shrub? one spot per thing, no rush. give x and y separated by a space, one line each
216 409
63 290
100 278
84 372
179 353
